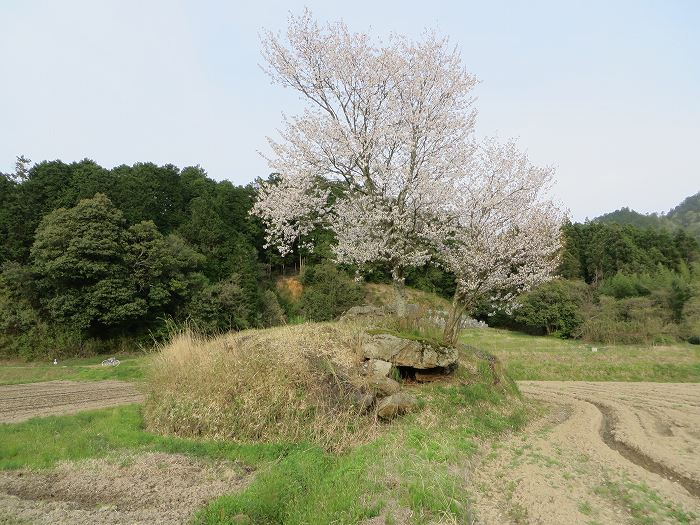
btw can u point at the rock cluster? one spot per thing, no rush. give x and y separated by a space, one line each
384 352
363 313
409 353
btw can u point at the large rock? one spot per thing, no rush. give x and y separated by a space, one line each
383 386
378 368
395 405
407 352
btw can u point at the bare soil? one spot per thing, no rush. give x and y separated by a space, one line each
151 488
618 453
24 401
605 452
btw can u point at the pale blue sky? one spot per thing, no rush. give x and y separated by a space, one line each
606 91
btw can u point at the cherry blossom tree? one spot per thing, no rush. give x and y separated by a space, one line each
388 125
501 233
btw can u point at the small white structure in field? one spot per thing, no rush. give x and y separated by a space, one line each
55 361
594 349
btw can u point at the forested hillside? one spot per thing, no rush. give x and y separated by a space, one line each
618 284
685 216
92 259
91 256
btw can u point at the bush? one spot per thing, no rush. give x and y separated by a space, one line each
670 289
554 307
690 325
289 291
631 320
221 307
271 313
622 286
328 292
48 341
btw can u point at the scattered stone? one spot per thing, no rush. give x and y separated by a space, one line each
363 401
395 405
362 312
384 386
410 353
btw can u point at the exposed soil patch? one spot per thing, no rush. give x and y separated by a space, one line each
607 433
604 453
138 489
21 402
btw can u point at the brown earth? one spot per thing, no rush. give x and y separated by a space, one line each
291 285
151 488
21 402
605 453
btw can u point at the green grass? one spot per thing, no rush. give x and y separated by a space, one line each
413 467
43 442
417 464
644 504
131 368
585 508
527 357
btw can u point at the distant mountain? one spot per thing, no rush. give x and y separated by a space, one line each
641 220
685 216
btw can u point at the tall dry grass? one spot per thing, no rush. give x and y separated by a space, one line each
285 384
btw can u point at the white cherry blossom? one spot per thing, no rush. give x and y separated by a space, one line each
390 124
503 235
389 127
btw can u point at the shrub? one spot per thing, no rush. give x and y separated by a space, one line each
670 289
554 307
221 307
289 291
328 292
621 286
48 341
631 320
690 325
271 313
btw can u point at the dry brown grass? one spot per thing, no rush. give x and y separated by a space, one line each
285 384
383 295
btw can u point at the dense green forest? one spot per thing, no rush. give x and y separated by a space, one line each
94 260
618 284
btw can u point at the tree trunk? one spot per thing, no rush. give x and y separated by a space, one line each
399 292
453 322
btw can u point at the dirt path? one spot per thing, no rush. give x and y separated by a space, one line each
21 402
139 489
605 453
